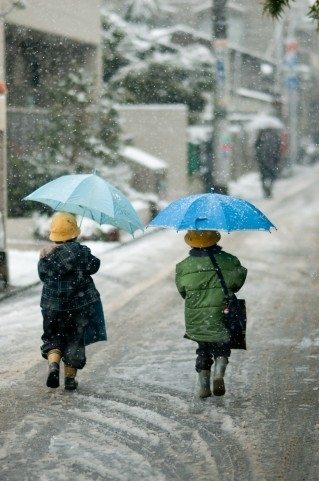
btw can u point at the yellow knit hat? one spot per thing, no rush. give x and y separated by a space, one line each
202 238
63 227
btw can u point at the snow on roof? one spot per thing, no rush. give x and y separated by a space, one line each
208 6
254 94
199 133
179 28
143 158
264 121
151 107
197 36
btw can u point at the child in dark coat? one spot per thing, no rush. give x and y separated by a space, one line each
71 306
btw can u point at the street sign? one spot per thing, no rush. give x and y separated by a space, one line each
292 83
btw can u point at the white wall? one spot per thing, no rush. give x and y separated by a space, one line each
160 130
77 19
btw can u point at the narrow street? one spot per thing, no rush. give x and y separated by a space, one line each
136 415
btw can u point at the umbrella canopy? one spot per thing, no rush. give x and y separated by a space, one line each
212 212
261 122
90 196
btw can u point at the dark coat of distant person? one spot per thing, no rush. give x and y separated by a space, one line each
268 156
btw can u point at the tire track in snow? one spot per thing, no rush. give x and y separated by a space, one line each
121 435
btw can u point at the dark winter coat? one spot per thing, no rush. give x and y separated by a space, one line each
198 284
268 153
66 275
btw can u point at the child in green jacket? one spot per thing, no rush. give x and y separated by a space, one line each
197 282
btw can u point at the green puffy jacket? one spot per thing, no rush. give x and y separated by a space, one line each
198 283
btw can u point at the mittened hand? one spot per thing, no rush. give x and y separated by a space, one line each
47 249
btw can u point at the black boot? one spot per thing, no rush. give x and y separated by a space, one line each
53 376
70 383
54 357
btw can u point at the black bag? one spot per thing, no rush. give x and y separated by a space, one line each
235 312
236 320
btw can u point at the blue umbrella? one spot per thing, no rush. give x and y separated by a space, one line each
212 212
90 196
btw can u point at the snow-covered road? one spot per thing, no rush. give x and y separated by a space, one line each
136 415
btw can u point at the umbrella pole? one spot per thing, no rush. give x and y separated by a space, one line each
82 217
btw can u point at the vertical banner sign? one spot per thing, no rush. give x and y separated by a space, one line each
221 50
222 163
221 149
291 62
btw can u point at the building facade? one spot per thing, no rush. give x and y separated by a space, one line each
43 40
39 41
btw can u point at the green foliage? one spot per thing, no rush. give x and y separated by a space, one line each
64 135
158 84
105 145
275 8
142 11
314 12
77 130
139 68
114 35
76 136
23 178
69 117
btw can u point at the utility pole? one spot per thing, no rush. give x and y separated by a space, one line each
291 60
220 168
5 10
3 160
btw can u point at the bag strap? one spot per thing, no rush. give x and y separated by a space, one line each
219 275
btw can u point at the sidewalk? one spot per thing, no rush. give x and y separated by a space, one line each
22 257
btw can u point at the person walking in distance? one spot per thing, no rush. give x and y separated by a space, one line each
71 307
268 157
198 284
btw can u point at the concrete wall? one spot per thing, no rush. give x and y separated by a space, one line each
76 19
161 131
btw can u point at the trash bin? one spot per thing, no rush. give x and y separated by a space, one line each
4 277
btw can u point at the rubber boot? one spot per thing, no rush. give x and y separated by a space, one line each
204 382
219 372
54 357
70 383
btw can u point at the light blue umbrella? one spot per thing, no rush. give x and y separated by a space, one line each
90 196
212 212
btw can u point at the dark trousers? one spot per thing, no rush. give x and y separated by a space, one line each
64 330
207 350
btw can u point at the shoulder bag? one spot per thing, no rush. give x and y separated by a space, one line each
235 312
